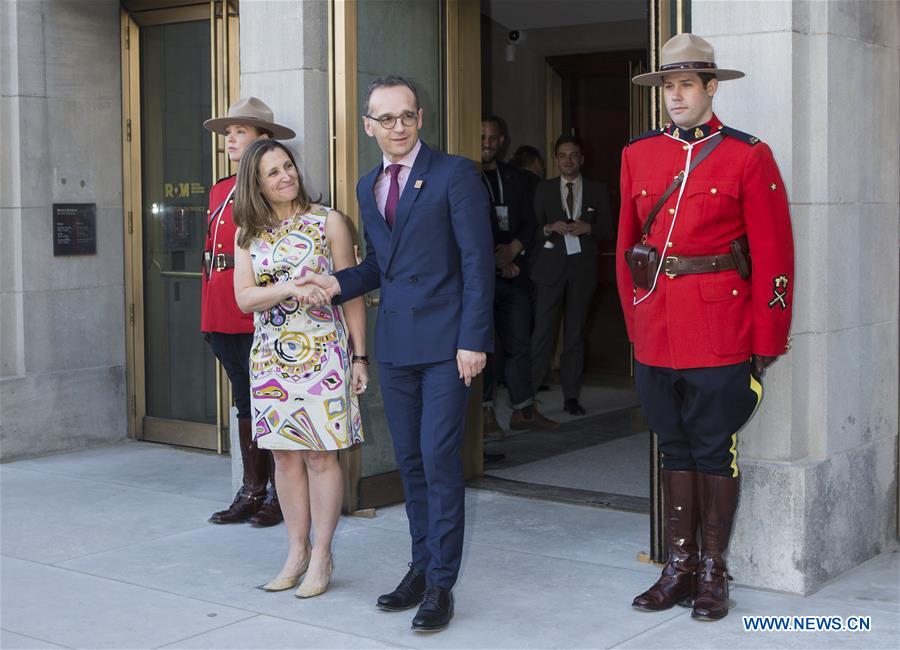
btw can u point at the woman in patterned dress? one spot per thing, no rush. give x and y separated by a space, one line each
307 365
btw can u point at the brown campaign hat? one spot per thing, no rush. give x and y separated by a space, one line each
686 53
250 111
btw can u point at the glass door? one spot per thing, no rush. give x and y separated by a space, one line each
440 53
175 64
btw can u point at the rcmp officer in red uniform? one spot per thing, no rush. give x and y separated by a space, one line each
229 330
706 278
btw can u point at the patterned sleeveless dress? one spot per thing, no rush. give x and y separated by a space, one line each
300 360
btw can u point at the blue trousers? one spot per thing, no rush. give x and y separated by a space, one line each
426 408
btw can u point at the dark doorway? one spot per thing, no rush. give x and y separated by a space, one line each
596 106
546 72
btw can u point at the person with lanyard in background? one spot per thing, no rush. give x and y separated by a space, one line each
700 200
513 229
228 330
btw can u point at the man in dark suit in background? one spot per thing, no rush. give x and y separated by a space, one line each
513 228
572 214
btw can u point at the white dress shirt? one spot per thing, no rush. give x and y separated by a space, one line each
576 192
383 184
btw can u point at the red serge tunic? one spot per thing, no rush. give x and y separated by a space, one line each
709 319
218 308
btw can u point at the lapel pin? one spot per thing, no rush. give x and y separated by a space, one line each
419 184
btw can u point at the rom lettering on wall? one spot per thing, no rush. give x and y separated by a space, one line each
74 229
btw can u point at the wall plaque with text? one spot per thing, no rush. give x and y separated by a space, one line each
74 229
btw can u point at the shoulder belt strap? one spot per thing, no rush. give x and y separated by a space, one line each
740 135
708 149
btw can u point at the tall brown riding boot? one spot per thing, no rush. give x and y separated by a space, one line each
249 499
270 513
676 584
718 502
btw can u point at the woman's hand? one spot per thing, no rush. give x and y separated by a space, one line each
359 378
306 294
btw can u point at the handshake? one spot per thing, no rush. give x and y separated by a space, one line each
313 289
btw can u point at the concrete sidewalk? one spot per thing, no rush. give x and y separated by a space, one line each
109 548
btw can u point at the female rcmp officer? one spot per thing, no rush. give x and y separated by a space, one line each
228 330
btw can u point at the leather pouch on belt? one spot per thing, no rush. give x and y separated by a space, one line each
642 261
740 251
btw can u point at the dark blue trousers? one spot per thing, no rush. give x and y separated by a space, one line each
426 408
512 325
697 412
233 352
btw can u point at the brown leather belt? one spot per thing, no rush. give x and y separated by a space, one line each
675 265
219 262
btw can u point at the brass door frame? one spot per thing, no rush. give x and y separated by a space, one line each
462 21
553 117
667 18
224 40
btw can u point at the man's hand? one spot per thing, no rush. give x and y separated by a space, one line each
307 294
759 363
559 227
469 364
328 283
509 271
579 228
506 253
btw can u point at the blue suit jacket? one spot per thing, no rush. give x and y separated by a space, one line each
435 268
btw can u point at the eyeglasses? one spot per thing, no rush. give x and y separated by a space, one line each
388 122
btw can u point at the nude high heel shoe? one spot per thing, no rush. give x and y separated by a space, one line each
308 590
283 584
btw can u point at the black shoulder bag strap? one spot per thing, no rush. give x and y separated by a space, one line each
708 149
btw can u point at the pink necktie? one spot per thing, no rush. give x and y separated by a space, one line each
393 197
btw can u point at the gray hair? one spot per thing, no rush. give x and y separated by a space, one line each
389 81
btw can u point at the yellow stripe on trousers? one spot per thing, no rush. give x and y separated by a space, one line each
757 388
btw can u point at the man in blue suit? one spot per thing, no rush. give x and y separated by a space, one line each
427 223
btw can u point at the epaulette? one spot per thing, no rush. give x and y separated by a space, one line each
740 135
645 134
225 178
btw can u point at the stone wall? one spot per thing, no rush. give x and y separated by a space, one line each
820 458
284 62
62 319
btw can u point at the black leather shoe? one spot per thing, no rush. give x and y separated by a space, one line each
493 459
407 594
269 514
244 506
436 611
572 407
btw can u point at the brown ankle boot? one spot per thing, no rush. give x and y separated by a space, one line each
718 502
529 417
676 584
249 499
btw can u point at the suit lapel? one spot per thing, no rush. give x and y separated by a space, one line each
558 203
408 198
368 207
